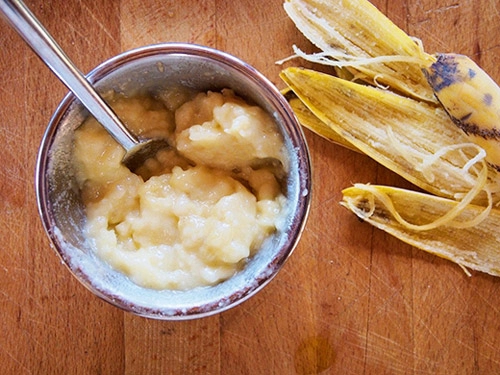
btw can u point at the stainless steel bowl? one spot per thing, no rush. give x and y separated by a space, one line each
60 207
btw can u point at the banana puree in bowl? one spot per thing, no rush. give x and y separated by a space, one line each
201 227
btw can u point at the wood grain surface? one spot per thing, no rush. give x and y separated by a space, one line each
351 299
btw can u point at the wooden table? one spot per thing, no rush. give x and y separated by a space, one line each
351 299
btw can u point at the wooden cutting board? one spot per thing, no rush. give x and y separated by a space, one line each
351 299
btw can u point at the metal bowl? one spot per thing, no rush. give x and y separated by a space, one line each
61 209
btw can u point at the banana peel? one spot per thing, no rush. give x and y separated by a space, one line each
401 133
355 35
474 247
313 123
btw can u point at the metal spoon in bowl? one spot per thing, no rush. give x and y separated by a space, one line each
38 38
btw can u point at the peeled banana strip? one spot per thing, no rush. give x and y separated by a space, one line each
475 247
471 98
311 122
308 120
361 37
412 138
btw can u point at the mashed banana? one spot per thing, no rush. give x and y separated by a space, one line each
200 209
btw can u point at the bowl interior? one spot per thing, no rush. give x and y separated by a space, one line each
150 69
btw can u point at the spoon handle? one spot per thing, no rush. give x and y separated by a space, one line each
38 38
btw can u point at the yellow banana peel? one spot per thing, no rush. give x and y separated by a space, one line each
412 138
313 123
475 247
356 35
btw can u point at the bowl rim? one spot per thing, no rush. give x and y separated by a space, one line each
294 131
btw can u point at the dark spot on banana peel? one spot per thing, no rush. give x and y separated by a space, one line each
471 73
365 206
487 99
473 129
442 73
466 117
495 166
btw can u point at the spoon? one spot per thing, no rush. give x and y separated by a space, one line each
42 43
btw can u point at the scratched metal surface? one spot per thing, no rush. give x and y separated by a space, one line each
351 300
